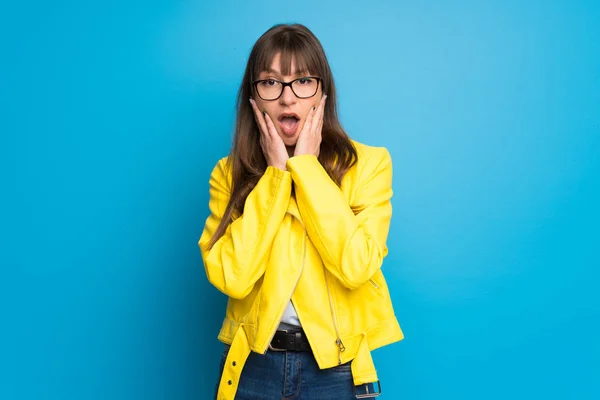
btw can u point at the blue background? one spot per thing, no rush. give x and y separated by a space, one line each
114 113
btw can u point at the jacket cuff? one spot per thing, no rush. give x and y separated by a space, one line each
278 173
305 161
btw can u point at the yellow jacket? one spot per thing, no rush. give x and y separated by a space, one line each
323 248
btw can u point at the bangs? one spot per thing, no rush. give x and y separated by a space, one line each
291 48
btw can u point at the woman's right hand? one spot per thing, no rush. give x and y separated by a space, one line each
272 146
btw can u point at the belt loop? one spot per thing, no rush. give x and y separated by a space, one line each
297 342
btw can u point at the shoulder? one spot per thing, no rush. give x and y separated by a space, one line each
371 157
221 171
222 163
222 167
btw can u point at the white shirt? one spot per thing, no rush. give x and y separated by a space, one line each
290 319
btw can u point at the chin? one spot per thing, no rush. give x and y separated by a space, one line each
289 141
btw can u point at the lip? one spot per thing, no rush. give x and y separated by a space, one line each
284 129
286 115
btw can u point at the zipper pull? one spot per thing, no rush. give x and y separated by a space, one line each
342 348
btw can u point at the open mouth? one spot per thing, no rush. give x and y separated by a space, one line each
289 123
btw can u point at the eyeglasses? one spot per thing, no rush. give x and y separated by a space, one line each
272 89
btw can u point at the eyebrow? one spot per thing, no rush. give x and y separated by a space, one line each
274 71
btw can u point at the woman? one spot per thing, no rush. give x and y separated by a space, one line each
299 218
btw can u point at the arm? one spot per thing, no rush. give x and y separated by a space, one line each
351 245
238 259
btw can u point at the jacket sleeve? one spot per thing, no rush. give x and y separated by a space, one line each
238 259
351 240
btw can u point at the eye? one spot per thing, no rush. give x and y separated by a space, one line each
305 81
269 82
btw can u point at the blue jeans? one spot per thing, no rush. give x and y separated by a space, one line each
292 375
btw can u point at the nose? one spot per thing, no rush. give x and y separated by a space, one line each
287 97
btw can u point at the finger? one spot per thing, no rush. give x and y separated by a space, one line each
259 117
320 128
319 136
320 113
309 120
322 103
263 143
271 126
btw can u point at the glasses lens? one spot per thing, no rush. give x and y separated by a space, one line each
305 87
269 89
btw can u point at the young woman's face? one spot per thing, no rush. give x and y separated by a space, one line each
288 112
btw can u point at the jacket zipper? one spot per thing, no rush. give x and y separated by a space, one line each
338 340
290 297
376 286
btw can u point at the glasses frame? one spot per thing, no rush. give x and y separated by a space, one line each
284 84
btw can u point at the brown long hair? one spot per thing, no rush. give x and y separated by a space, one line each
246 159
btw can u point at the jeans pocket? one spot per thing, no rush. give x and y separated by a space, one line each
226 348
343 368
224 355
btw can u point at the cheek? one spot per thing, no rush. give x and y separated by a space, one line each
308 107
265 107
316 106
261 105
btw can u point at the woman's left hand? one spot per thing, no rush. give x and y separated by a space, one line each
309 139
